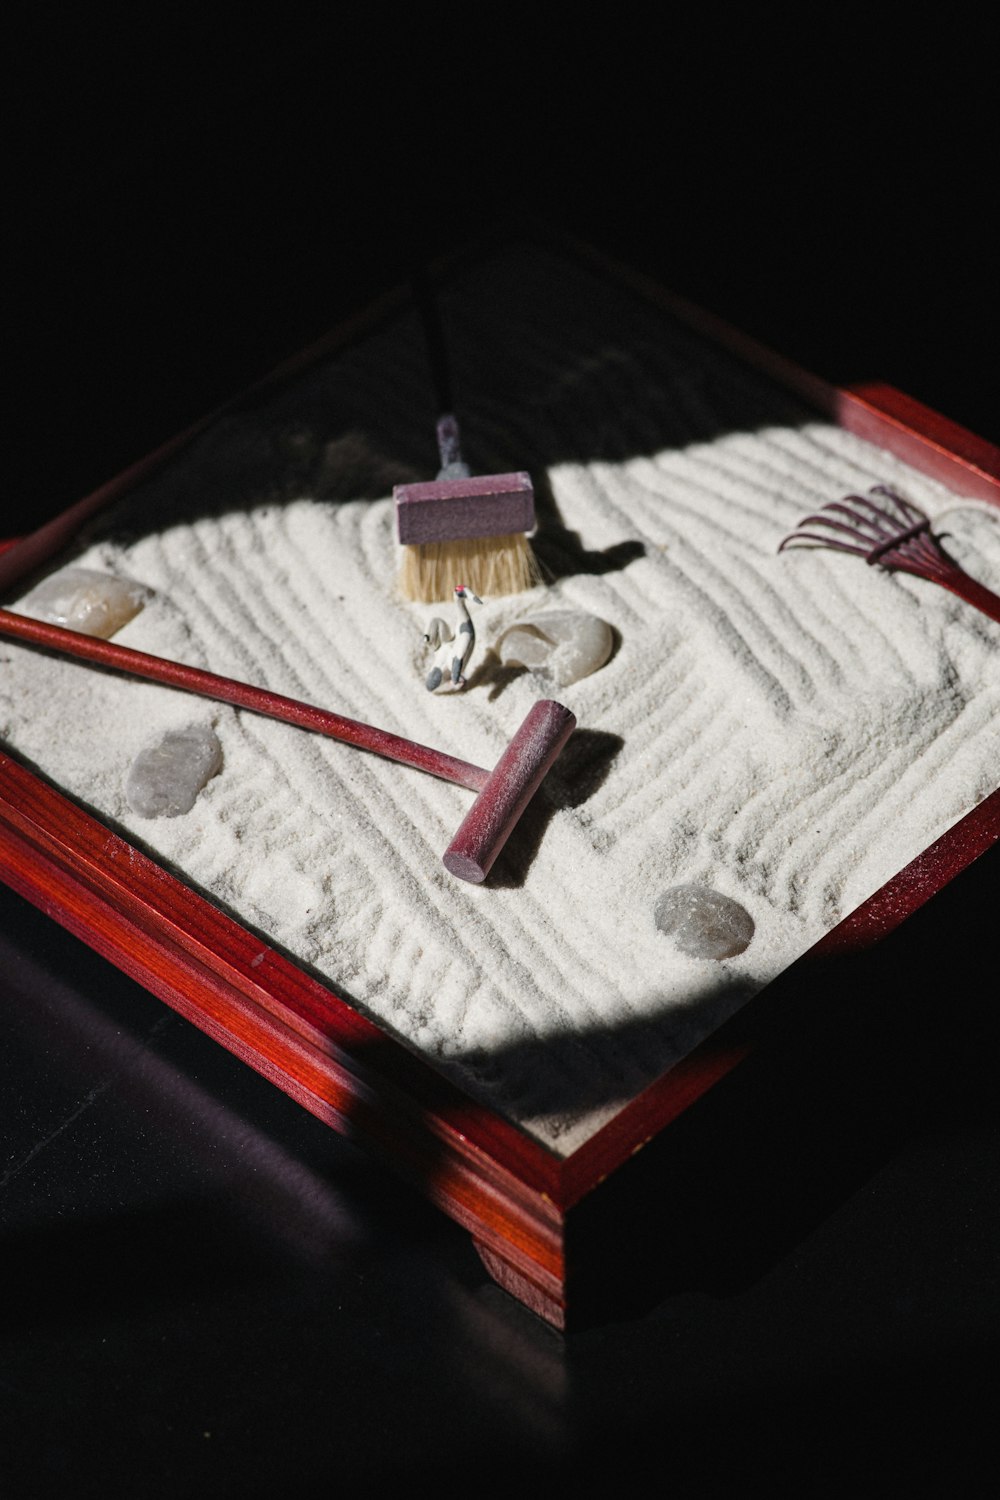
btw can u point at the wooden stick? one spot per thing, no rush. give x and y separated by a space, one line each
513 782
503 793
227 690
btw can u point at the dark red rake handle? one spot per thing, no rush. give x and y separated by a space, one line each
966 587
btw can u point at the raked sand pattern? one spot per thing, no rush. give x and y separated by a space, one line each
788 730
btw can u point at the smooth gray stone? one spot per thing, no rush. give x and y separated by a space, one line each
83 599
702 922
561 645
164 780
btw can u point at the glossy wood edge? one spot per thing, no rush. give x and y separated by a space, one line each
509 1191
153 900
486 1175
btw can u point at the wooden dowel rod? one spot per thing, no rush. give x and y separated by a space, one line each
242 695
513 781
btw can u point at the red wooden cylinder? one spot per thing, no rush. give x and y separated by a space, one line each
512 783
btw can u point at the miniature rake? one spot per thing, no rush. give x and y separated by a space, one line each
896 535
502 794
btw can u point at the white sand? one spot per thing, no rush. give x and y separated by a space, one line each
790 730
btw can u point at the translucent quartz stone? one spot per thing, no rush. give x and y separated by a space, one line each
85 600
702 922
562 645
164 780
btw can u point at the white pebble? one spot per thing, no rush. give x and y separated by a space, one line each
703 923
164 780
85 600
561 646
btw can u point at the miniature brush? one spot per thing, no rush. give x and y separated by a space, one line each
458 528
463 529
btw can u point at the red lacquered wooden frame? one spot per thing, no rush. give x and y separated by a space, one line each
518 1200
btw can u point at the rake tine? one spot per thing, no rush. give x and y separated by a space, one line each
902 543
910 511
878 530
796 537
821 519
911 535
844 509
882 522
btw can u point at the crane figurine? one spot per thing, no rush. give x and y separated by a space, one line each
452 648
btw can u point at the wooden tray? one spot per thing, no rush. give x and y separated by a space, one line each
529 1211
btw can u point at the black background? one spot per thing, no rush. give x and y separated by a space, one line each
191 198
205 1291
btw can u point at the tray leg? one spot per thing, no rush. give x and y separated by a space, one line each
549 1304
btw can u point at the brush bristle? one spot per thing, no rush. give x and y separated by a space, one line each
488 565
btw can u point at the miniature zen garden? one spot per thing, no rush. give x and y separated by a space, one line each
762 738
